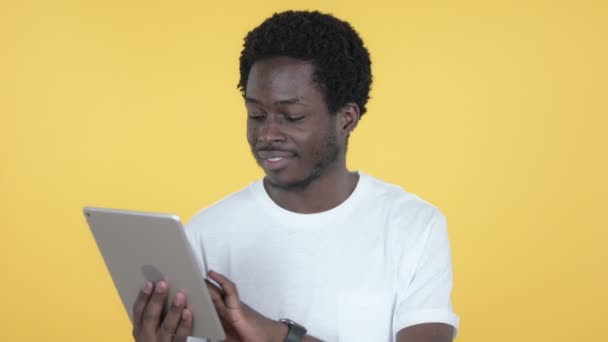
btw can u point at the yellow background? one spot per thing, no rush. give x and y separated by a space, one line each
494 111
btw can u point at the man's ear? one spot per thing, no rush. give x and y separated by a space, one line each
348 118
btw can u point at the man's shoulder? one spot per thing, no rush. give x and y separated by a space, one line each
399 203
394 193
233 205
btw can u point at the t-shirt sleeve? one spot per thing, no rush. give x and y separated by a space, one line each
424 296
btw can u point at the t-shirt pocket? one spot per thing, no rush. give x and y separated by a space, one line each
365 316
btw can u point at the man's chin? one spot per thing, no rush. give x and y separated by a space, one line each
278 182
289 183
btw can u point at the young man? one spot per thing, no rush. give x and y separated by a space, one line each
346 256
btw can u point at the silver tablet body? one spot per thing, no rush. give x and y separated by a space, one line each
139 246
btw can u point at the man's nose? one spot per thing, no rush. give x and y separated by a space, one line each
271 131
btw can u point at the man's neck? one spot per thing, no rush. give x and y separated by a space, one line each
324 193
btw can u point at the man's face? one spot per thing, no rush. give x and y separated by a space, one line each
292 134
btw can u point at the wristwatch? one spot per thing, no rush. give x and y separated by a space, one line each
296 332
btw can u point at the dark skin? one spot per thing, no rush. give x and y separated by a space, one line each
288 118
302 148
148 325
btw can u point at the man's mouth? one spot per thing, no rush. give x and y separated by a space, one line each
274 160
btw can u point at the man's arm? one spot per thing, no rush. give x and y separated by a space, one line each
427 332
425 307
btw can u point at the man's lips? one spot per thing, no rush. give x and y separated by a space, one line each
274 154
274 160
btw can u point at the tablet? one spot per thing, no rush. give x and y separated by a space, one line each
138 246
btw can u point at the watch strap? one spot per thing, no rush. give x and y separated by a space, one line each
295 333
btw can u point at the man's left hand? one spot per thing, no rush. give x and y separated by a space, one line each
241 323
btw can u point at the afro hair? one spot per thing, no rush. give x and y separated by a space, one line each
342 63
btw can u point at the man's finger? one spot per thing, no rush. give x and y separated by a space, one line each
231 294
169 325
214 289
184 329
217 297
139 306
152 312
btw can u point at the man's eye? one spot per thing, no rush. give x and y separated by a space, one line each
255 117
294 118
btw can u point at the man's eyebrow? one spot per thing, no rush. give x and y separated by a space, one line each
251 100
292 101
295 100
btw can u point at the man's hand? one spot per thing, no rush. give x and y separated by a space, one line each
241 323
149 326
426 332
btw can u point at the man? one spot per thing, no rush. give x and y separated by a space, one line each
344 256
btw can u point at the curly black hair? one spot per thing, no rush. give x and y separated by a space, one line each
342 63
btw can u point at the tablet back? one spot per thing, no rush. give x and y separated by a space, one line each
139 246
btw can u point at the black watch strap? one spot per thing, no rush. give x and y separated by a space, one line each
296 332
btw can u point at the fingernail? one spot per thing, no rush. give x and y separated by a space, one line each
179 299
186 314
148 288
160 287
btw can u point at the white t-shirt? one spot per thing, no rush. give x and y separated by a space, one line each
377 263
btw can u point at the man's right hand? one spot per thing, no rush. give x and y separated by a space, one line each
149 326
